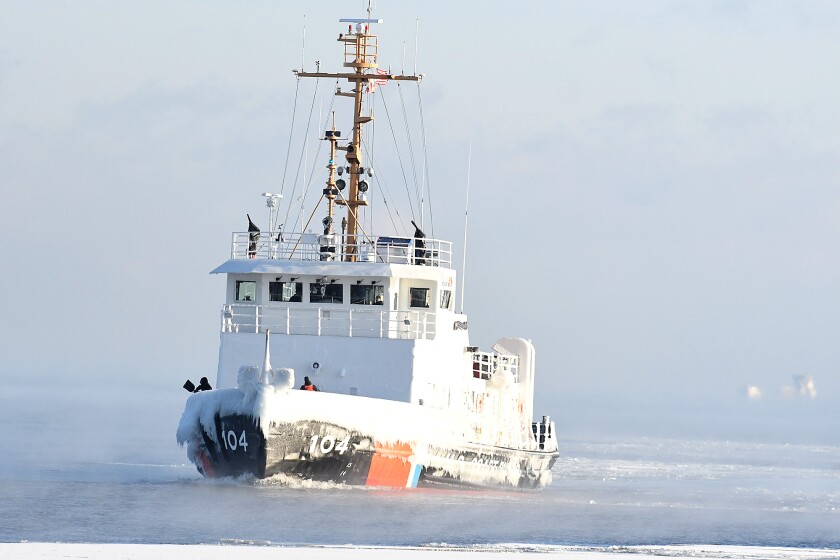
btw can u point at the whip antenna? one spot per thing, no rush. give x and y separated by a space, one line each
303 45
416 40
466 217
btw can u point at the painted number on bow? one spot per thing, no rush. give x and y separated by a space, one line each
328 443
232 443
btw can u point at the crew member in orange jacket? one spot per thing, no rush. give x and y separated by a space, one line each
308 385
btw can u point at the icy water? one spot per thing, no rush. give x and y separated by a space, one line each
77 470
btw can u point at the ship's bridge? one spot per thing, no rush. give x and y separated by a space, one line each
298 284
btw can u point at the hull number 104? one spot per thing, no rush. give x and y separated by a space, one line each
328 443
232 443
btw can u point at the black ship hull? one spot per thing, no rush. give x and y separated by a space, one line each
321 451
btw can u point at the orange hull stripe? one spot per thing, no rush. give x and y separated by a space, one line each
388 471
390 466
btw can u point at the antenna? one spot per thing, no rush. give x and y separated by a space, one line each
466 216
416 40
272 201
303 45
422 189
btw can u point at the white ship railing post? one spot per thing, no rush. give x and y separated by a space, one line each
381 321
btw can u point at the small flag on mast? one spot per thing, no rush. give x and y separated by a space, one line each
377 82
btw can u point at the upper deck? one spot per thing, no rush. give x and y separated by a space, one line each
333 247
300 284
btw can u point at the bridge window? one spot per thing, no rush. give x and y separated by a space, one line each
445 299
285 291
326 293
419 297
367 294
246 290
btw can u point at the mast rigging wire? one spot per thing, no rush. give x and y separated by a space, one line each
417 190
386 192
399 157
425 179
291 131
367 212
302 151
312 173
300 237
294 109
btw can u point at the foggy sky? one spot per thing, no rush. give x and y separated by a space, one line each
654 196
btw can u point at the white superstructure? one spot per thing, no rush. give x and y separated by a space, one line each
382 327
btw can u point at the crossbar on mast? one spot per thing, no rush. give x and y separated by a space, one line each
359 20
357 77
360 53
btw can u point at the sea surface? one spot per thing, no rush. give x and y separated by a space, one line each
83 468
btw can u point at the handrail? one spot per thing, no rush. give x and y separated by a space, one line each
328 321
488 364
314 247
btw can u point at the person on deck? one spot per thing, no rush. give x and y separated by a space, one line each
419 245
308 385
203 385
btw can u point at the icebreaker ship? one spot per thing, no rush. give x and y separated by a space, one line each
404 399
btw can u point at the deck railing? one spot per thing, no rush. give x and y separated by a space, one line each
324 321
488 364
314 247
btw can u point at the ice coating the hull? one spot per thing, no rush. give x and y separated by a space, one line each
411 452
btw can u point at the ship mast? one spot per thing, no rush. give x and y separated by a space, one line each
360 55
333 186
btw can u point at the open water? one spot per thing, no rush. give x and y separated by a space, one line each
78 468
